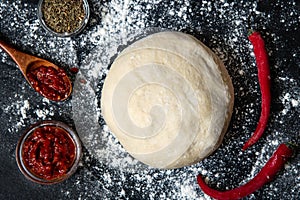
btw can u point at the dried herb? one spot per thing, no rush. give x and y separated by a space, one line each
63 16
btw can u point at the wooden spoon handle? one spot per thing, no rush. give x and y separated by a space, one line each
22 59
10 50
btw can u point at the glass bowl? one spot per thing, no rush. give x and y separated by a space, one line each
51 160
83 23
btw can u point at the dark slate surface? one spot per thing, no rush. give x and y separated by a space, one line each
222 26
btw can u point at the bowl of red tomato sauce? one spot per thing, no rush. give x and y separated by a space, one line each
48 152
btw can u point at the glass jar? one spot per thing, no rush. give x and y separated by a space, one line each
48 152
68 13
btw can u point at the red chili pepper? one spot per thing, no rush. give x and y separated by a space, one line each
262 63
274 164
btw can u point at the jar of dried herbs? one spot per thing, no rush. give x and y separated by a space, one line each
63 17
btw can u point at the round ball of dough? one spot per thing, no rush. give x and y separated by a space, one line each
168 99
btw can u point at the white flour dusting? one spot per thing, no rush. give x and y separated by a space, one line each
121 24
107 171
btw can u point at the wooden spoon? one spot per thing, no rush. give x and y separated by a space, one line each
27 63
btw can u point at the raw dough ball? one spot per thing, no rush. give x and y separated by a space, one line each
168 99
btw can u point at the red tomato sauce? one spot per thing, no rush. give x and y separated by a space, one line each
49 152
49 82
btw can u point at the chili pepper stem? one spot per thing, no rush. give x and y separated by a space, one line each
250 32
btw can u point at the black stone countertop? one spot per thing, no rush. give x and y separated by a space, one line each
106 170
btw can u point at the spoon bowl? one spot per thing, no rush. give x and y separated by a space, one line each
28 63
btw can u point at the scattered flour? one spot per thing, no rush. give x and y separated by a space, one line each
107 171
